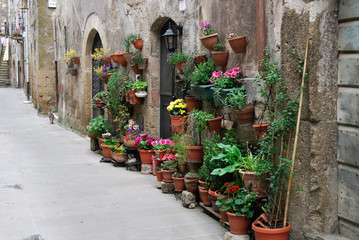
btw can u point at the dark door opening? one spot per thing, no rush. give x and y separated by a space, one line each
97 83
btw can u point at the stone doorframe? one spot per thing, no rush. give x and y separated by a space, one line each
93 25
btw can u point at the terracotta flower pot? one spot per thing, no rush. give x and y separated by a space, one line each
135 69
238 44
119 158
195 154
214 124
192 103
201 183
209 41
146 156
106 77
199 59
77 60
245 115
106 152
100 141
127 96
91 135
270 234
159 176
260 129
129 143
99 103
138 43
205 198
178 123
223 214
179 184
132 97
106 60
167 175
258 185
143 65
119 58
74 72
127 56
238 224
220 58
180 66
213 197
191 184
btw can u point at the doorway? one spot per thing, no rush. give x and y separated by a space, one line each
167 76
97 83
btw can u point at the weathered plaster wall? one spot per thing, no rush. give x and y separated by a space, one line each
289 24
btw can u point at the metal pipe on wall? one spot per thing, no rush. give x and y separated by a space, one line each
56 67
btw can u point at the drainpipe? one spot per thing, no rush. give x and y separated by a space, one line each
55 56
261 31
27 57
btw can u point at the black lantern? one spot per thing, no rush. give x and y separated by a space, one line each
171 36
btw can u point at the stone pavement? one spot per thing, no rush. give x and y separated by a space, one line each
53 186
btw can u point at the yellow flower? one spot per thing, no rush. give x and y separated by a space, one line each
183 111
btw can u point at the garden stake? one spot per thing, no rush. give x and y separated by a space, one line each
296 134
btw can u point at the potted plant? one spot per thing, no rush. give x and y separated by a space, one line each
160 146
188 68
181 141
220 55
178 113
107 71
144 146
133 99
100 100
133 131
178 181
136 40
119 58
103 55
118 153
104 136
199 79
126 86
209 38
236 100
138 62
177 59
237 43
206 121
239 204
71 58
159 174
99 125
199 58
127 42
191 181
140 88
106 148
168 168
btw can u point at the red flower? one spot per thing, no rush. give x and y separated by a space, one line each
127 138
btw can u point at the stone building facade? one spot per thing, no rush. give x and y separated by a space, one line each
280 25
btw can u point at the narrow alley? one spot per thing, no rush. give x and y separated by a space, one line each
54 187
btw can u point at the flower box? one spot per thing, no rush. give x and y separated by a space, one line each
203 92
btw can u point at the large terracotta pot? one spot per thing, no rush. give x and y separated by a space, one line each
119 158
135 69
191 184
205 198
106 60
129 143
220 58
195 154
262 233
260 129
159 176
167 175
106 152
245 115
138 43
238 44
146 156
192 103
77 60
178 123
179 184
256 184
238 224
215 124
209 41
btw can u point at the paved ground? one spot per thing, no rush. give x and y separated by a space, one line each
52 185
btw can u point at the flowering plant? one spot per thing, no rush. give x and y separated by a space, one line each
108 69
169 165
99 71
174 58
106 135
144 142
219 47
100 53
136 57
206 28
133 129
162 144
168 157
69 57
118 149
231 35
229 79
239 201
177 108
103 96
98 126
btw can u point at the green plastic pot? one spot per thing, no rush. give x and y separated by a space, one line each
203 92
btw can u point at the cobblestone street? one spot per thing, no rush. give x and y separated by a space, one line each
53 186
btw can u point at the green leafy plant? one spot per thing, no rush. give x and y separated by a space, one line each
118 149
169 165
236 99
103 96
219 47
201 117
203 73
110 142
178 175
139 85
98 126
121 117
127 83
188 68
181 143
174 58
130 39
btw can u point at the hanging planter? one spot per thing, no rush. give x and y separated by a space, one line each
192 103
214 124
141 93
138 43
260 129
245 115
74 72
127 56
238 44
99 103
220 58
203 92
106 60
135 69
77 60
178 123
195 154
119 58
180 65
238 224
209 41
143 65
199 59
146 156
132 97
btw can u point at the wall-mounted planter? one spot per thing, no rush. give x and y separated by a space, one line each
238 44
214 124
260 129
99 103
77 60
203 92
74 72
106 60
209 41
192 103
133 99
143 65
220 58
127 56
135 69
199 59
141 94
106 77
119 58
138 43
179 66
245 115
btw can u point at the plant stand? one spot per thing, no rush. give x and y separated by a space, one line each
106 160
130 163
216 215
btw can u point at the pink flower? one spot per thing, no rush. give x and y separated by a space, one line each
239 80
233 75
229 72
236 70
136 55
131 122
140 53
204 28
201 24
211 80
135 127
87 127
216 74
133 57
